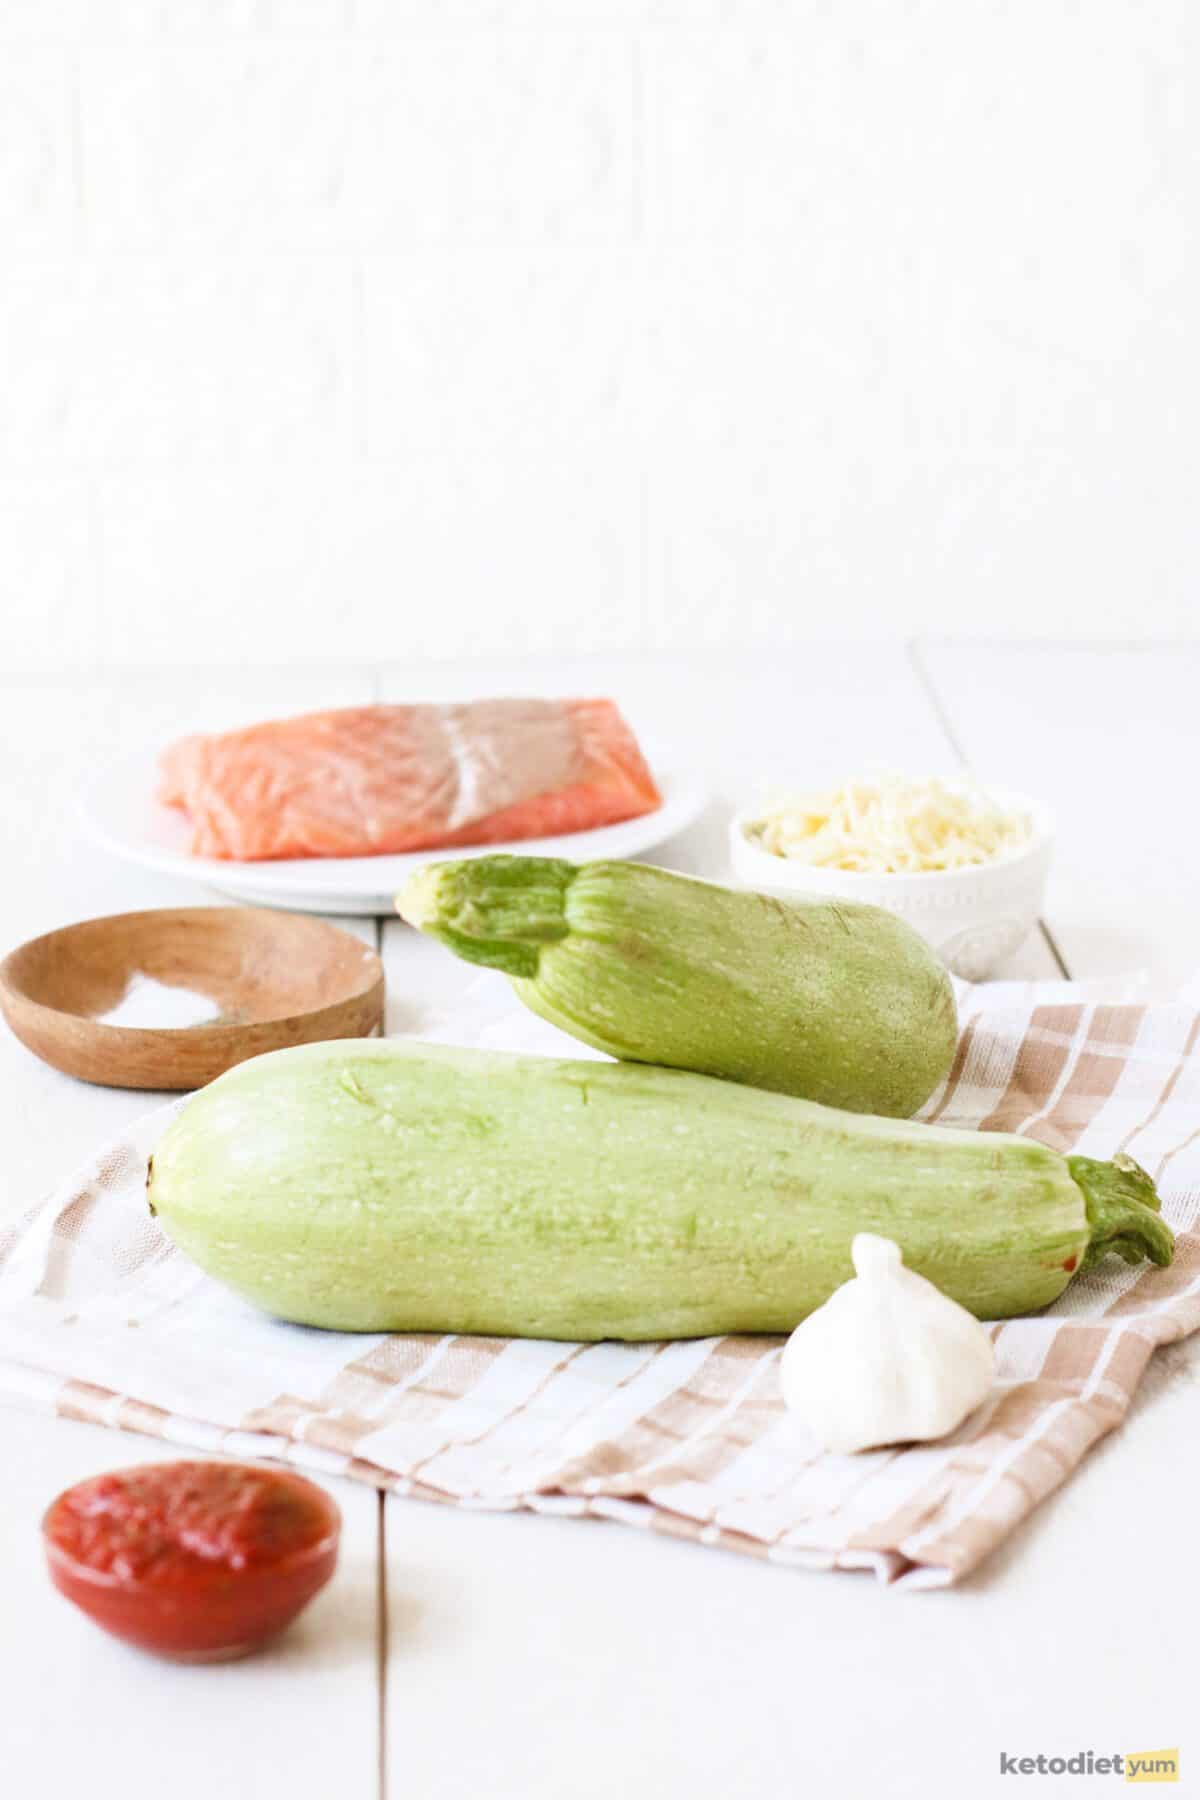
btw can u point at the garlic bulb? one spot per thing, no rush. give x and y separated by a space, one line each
888 1359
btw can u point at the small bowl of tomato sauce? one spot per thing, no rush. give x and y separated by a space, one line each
196 1561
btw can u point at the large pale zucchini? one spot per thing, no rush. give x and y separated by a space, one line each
411 1187
834 1001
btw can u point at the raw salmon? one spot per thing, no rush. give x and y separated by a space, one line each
369 780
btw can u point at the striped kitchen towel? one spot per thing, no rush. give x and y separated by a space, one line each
102 1319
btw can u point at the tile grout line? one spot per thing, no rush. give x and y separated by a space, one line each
912 648
359 381
925 681
1052 947
637 120
78 177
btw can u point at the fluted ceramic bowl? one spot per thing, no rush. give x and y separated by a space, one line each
974 918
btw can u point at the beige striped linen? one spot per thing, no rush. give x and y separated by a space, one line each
102 1319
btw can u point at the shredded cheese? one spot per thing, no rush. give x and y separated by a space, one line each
893 825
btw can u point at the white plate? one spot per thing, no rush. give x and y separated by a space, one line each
119 812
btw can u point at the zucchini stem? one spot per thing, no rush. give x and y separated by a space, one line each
1124 1211
493 910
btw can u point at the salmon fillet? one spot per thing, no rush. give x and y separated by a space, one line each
371 780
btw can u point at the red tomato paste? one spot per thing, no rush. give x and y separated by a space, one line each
198 1561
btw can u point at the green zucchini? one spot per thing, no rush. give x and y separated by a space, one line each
834 1001
391 1186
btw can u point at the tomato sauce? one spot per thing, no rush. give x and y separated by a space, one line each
195 1560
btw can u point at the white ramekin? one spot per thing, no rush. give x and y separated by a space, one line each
974 918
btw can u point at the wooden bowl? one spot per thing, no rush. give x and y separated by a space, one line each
278 979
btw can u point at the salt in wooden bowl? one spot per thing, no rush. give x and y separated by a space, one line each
272 979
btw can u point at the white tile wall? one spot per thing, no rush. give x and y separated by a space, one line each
482 552
152 361
39 199
508 349
435 327
49 609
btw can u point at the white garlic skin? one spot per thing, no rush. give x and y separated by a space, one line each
888 1359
